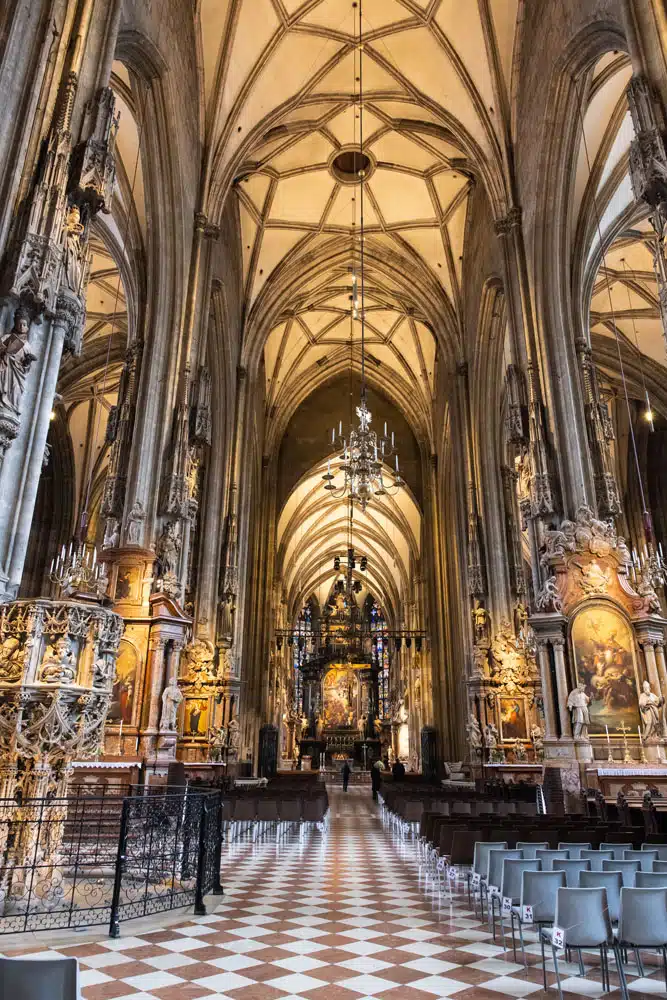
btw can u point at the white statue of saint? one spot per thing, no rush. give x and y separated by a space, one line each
650 706
577 702
171 699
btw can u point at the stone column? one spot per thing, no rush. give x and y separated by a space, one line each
662 666
547 690
558 643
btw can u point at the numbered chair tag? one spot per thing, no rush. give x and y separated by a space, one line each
507 905
476 878
527 914
558 937
452 874
493 890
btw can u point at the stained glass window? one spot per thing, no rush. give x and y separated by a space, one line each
300 639
381 653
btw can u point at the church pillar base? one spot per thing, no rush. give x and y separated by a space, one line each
655 751
584 751
559 750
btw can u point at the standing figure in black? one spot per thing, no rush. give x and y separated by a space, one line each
346 775
398 770
376 778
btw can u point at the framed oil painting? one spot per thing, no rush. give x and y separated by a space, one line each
195 722
604 660
121 708
513 721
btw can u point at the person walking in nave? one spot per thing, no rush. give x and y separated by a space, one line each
346 775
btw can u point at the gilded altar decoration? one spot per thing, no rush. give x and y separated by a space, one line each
512 666
197 658
604 658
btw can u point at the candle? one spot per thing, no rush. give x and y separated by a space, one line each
397 463
120 735
639 732
607 732
385 428
333 435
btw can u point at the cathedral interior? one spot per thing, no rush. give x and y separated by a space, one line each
333 391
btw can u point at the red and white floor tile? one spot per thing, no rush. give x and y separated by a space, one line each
334 916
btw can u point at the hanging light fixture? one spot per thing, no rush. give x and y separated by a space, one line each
364 452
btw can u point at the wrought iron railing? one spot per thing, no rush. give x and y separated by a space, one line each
88 860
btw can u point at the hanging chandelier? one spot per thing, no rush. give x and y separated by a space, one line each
363 453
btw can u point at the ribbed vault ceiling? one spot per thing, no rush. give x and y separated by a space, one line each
313 528
281 91
628 266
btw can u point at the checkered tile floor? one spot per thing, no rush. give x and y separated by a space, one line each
335 916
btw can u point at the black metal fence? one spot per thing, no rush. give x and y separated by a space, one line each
88 860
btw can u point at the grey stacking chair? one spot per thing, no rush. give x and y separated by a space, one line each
612 882
540 891
572 869
645 858
510 887
574 849
39 979
643 924
596 858
480 866
660 848
529 847
651 880
494 872
618 849
584 917
548 857
660 866
628 870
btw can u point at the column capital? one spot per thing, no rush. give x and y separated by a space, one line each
505 225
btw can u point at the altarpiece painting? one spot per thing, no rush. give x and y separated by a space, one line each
604 659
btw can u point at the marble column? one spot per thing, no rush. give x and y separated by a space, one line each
547 691
558 644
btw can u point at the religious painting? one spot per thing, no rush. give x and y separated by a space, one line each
196 717
604 658
124 689
513 723
340 698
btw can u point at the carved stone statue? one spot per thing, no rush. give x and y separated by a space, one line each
548 598
650 706
11 659
111 533
168 549
102 670
519 750
490 736
537 736
74 259
233 738
474 734
16 358
135 523
577 702
481 623
172 697
60 667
